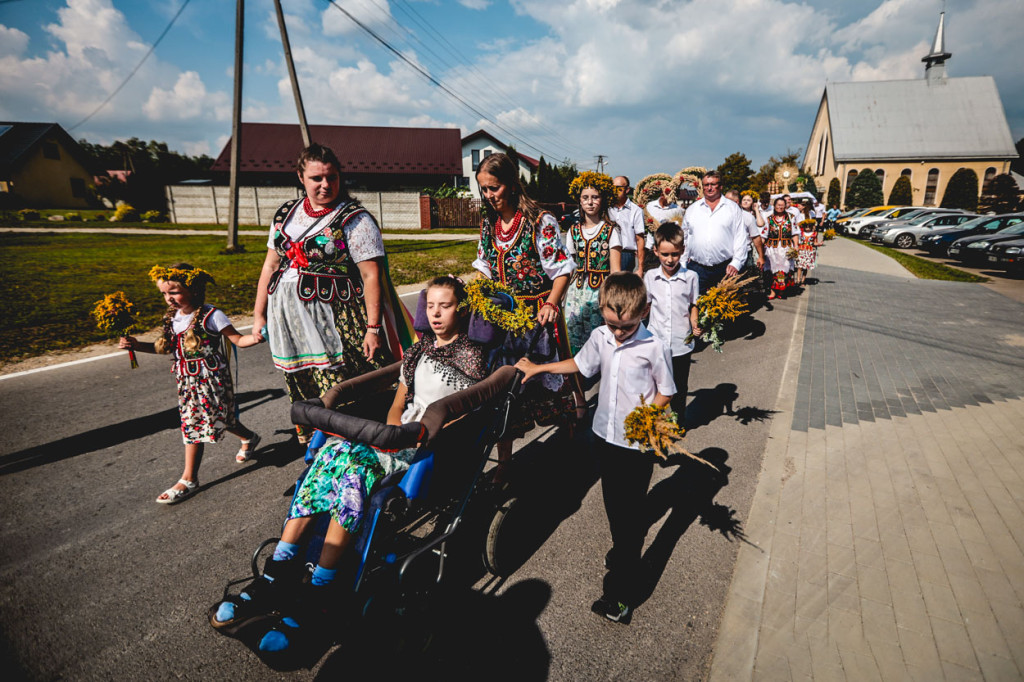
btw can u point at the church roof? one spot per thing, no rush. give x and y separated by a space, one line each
915 119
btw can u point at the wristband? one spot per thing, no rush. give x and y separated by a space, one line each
549 304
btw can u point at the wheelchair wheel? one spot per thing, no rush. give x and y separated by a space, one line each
498 555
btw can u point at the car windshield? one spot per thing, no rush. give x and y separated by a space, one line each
923 218
912 215
854 213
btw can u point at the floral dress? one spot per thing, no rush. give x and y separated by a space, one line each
344 472
808 256
206 395
591 250
528 263
316 316
780 241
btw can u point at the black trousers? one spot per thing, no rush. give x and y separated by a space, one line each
707 275
681 375
625 477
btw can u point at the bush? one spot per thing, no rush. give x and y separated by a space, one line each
962 191
28 214
152 216
125 213
74 215
100 217
1003 195
864 191
902 193
835 190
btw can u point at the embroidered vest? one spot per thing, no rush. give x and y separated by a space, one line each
207 346
326 270
516 265
593 262
783 230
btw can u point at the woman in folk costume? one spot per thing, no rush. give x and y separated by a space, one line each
591 242
780 247
520 247
324 293
808 256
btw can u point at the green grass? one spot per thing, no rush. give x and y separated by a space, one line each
922 268
52 281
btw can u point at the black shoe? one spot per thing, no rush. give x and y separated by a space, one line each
303 625
615 611
263 596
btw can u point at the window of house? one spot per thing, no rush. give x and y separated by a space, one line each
476 159
880 174
908 174
51 151
824 154
488 152
931 187
989 174
78 188
850 177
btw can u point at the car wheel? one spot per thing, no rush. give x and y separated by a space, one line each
905 241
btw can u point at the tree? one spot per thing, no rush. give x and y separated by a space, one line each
865 190
1003 195
962 191
736 172
902 193
835 190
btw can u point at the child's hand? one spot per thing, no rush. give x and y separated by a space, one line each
126 343
696 331
528 368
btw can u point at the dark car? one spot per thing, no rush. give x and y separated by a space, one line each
939 241
973 250
1007 255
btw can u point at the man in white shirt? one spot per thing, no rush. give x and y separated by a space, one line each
630 219
716 239
792 210
663 210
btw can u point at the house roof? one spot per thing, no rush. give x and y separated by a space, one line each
274 147
18 139
528 160
915 119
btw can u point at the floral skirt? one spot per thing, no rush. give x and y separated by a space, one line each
808 256
341 478
583 315
206 404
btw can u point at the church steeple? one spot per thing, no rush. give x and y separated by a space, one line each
935 62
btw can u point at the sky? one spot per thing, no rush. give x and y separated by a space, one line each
652 85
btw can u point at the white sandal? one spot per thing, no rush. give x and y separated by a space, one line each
175 495
244 453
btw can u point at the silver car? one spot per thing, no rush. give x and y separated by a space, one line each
907 235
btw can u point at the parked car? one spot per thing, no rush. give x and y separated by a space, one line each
853 225
916 214
1007 255
847 215
940 240
906 234
972 250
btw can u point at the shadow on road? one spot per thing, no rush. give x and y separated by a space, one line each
109 436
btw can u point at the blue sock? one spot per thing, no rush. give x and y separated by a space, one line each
323 576
285 551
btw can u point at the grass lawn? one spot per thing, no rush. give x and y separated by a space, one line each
921 267
52 281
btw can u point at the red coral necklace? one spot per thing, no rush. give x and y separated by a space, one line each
507 234
307 206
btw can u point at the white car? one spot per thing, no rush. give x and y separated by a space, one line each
853 225
907 235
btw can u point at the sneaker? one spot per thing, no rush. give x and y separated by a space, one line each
615 611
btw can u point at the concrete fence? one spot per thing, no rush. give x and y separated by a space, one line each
257 205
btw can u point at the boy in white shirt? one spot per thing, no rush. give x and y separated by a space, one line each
672 293
632 363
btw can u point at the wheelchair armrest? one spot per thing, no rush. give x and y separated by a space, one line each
364 384
314 413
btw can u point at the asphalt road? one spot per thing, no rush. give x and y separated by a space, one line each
99 582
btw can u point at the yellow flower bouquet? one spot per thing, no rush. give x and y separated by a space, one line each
721 304
656 429
115 315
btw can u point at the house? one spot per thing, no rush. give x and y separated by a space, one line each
372 158
481 144
41 166
925 129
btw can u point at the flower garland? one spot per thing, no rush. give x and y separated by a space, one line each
186 277
656 429
599 181
750 193
115 316
808 222
719 305
653 186
692 175
478 298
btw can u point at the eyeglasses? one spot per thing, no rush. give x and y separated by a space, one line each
623 327
712 184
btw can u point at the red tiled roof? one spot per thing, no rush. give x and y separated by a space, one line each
274 147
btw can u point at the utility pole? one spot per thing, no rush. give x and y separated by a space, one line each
600 162
236 129
303 126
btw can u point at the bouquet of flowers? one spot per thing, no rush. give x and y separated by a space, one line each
829 234
792 253
719 305
478 297
656 429
115 316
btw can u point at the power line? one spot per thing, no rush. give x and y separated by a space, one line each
137 67
432 79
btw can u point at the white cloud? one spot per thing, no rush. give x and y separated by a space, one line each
187 99
12 41
197 148
475 4
375 14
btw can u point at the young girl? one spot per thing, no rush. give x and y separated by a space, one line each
344 473
808 256
206 398
591 242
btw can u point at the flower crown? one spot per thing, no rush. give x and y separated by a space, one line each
599 181
808 222
186 277
750 193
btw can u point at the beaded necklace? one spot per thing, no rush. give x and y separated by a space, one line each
307 206
508 234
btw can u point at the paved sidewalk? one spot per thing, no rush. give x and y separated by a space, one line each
888 522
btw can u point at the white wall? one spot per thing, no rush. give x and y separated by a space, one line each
484 146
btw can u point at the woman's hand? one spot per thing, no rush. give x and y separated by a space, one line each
126 343
371 344
528 368
548 312
258 323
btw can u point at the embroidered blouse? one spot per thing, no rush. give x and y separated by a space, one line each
529 261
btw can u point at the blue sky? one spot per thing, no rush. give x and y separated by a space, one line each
654 85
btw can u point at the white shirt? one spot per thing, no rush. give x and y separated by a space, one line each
362 236
715 236
430 387
663 214
630 218
750 224
548 240
670 299
216 323
640 366
797 214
